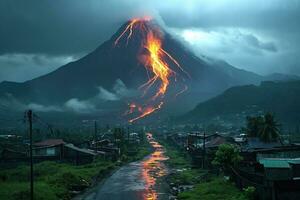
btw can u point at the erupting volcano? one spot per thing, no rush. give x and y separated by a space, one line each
157 63
140 70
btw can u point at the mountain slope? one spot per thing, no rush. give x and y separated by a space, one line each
236 103
107 77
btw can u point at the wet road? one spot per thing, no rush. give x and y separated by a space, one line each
137 180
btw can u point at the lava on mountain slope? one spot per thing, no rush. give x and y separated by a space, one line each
157 64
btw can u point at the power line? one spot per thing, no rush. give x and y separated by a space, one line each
43 122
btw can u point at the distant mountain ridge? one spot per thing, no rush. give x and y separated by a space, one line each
282 98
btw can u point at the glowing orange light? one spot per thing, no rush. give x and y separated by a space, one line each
153 164
147 111
155 62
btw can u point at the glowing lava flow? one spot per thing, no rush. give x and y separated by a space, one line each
156 63
128 27
153 169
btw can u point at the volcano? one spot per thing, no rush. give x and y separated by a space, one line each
119 78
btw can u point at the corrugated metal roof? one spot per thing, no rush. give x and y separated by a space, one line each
268 163
49 142
87 151
256 143
278 162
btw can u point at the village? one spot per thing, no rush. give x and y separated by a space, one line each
269 166
108 145
65 167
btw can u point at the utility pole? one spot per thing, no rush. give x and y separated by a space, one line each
128 134
204 137
95 135
29 115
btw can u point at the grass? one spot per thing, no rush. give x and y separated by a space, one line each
216 189
55 180
211 188
177 159
143 150
51 178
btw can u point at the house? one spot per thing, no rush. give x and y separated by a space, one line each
12 155
134 138
49 142
57 149
77 155
254 143
202 147
51 149
84 144
274 171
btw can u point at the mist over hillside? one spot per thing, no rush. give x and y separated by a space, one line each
281 98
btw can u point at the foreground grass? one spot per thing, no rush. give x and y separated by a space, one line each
215 189
206 185
54 180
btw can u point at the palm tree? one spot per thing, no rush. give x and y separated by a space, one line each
270 128
253 126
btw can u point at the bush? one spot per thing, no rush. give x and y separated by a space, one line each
227 156
213 190
249 192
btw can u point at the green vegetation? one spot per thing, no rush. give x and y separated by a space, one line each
227 156
265 127
207 186
52 180
178 159
281 98
216 189
181 162
57 180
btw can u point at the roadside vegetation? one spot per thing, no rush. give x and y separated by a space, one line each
57 180
196 183
52 180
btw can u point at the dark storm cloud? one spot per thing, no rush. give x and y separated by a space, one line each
39 36
21 67
53 27
76 26
254 41
268 40
266 15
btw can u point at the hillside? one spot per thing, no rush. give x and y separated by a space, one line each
281 98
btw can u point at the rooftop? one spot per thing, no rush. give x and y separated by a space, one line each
256 143
49 142
279 162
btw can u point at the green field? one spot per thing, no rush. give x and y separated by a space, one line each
54 180
207 186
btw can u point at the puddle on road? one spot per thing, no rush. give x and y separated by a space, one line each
153 168
140 180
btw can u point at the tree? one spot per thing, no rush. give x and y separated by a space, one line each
265 127
253 126
227 156
270 128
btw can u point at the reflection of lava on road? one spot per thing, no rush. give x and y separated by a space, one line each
153 168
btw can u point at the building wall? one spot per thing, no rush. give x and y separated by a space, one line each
47 151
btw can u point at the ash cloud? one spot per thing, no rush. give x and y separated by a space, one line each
78 27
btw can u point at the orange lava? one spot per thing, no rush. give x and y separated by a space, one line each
155 62
153 169
147 111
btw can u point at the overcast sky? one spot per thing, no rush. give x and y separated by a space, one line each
37 36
